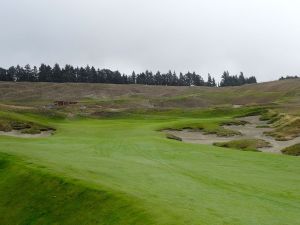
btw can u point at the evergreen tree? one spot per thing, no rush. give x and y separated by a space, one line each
45 73
19 73
214 83
209 81
56 74
34 75
242 79
68 74
93 77
11 73
3 74
89 74
235 80
251 80
133 78
29 74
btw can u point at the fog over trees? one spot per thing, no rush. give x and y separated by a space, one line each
69 73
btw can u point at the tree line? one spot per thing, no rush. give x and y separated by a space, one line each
235 80
68 73
288 77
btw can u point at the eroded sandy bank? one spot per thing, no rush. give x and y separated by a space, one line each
248 131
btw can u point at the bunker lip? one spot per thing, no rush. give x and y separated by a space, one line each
248 131
18 133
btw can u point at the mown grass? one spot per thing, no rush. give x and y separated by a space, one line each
168 181
29 196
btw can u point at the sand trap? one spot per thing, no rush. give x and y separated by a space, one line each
249 131
237 106
17 133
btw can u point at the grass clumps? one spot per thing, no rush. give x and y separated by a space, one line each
173 137
245 144
292 150
215 127
268 115
5 125
286 129
217 130
263 126
222 132
24 127
235 123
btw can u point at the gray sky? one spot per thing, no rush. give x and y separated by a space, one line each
259 37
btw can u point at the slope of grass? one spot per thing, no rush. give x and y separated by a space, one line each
28 196
169 181
141 96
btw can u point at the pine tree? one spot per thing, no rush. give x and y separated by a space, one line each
133 78
209 81
3 74
214 83
56 74
242 79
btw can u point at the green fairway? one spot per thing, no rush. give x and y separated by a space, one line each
149 179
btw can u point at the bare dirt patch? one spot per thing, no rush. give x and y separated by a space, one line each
254 129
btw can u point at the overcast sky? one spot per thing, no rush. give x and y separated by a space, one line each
259 37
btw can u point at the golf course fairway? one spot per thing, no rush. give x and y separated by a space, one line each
123 170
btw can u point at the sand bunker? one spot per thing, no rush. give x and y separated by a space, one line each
18 133
248 131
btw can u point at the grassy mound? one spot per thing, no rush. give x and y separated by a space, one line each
212 127
271 116
30 197
292 150
286 128
245 144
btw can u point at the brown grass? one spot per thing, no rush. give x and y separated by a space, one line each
281 93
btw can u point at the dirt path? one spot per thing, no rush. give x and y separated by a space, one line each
17 133
249 131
